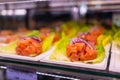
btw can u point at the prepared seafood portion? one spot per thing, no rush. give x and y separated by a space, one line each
87 46
29 46
92 35
81 50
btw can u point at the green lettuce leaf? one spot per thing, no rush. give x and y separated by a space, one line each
34 33
72 28
72 32
107 40
84 28
47 43
10 48
104 39
116 38
115 28
59 52
100 56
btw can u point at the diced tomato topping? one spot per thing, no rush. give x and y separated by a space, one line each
74 57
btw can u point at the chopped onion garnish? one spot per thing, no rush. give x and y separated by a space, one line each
36 39
79 40
23 38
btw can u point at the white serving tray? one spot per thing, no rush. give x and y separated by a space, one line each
100 66
2 38
115 49
115 58
15 56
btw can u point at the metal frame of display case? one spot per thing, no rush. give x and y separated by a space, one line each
57 70
61 71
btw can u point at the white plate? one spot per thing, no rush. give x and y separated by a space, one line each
100 66
115 58
15 56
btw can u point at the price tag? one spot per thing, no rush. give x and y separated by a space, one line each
13 74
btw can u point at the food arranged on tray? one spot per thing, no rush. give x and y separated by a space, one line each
72 42
7 36
31 43
116 41
87 47
115 50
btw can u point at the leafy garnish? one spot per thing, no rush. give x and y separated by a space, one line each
59 52
48 42
34 33
10 48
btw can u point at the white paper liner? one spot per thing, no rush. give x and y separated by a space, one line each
100 66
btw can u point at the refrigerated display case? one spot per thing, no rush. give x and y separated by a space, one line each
24 16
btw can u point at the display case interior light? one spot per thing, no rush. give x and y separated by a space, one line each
83 9
10 12
4 12
75 12
18 12
75 9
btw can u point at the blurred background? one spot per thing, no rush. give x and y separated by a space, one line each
33 14
25 15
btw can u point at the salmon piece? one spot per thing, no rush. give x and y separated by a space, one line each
11 38
91 37
28 47
45 30
80 46
28 50
82 57
35 44
56 38
71 49
90 54
74 57
6 32
43 36
97 31
80 51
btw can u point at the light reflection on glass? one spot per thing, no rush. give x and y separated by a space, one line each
11 12
83 9
20 12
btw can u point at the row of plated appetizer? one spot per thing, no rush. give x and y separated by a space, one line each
71 42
